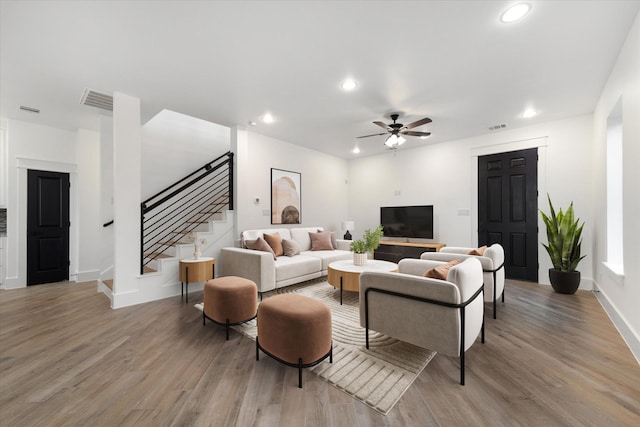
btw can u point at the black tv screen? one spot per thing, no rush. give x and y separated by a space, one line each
407 221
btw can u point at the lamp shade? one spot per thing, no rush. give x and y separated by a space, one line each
348 225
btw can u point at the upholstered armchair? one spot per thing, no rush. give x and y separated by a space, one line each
492 261
441 315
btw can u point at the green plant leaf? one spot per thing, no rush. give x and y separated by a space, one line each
564 237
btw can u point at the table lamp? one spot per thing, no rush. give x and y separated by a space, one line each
348 225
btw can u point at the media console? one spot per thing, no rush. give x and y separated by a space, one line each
395 251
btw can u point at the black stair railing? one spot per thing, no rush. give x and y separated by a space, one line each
170 215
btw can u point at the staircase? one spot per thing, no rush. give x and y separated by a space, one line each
198 207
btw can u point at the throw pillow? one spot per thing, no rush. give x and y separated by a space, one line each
275 241
334 242
321 241
440 272
259 245
478 252
290 247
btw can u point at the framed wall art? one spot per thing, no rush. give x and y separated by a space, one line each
286 199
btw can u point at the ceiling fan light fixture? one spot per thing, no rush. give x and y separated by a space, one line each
391 141
401 140
425 136
515 12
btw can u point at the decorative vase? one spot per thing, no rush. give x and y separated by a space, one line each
564 282
197 253
359 259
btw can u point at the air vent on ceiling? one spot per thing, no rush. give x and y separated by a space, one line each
498 127
93 98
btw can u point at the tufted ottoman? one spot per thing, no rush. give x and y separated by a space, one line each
294 330
230 301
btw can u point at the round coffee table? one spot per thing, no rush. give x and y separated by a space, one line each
346 275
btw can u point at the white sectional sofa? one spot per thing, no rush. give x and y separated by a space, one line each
270 274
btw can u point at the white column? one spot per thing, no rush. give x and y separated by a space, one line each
126 198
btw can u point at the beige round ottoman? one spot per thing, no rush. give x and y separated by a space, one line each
294 330
230 300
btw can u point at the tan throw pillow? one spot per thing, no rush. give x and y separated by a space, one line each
259 245
275 241
321 241
290 247
334 242
440 272
478 252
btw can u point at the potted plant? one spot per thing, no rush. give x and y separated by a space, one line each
564 238
369 243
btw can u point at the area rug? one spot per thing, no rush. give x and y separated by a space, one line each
377 376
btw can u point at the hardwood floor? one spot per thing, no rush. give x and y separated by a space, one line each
68 359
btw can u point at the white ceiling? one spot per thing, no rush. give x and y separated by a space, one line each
230 62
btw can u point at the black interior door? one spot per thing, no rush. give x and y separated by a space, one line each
47 227
508 209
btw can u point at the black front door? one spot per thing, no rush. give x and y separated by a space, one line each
47 227
508 209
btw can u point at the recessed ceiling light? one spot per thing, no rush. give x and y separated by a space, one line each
355 150
528 113
349 84
252 123
268 118
515 12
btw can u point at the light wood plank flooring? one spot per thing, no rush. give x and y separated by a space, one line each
68 359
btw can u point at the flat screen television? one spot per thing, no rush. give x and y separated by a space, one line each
407 221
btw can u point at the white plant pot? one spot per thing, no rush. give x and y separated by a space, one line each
359 259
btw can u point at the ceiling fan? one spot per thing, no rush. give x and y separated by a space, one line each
396 130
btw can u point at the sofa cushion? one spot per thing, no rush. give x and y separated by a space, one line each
440 272
296 266
275 241
327 257
301 235
321 241
260 245
290 247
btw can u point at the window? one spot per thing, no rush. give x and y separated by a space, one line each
614 190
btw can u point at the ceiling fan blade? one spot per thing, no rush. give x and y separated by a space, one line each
418 123
375 134
382 125
414 133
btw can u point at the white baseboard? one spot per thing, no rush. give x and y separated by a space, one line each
627 333
87 276
13 283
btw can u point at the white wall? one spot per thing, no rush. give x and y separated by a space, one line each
445 175
89 226
324 182
620 295
32 146
174 145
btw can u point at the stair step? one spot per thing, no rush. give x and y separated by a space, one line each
146 269
108 283
157 255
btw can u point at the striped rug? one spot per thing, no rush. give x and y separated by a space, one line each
378 376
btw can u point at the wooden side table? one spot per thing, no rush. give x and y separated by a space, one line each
195 270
